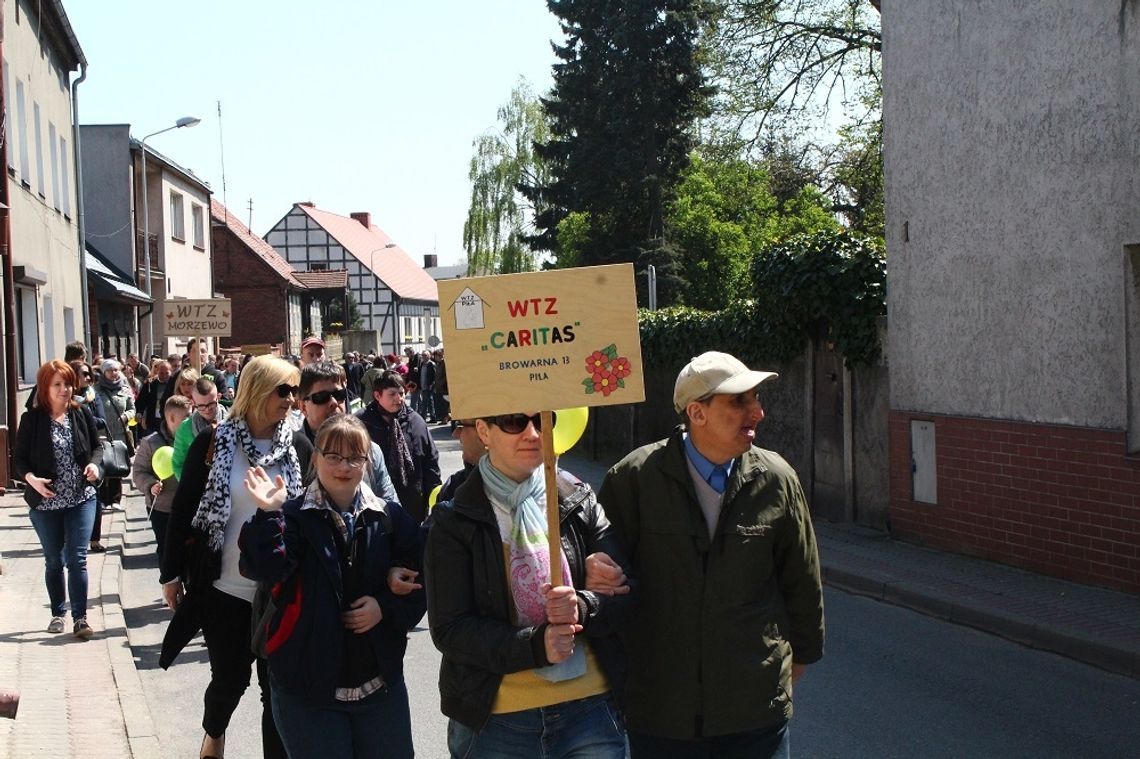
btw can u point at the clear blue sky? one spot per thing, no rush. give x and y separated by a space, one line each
356 105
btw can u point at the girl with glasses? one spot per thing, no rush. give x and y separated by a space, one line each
531 660
344 562
201 555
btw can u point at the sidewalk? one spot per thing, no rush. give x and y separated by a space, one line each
78 698
1091 625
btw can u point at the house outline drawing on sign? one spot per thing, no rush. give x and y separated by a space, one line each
468 310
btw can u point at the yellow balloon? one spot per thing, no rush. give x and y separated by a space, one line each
569 427
163 462
433 496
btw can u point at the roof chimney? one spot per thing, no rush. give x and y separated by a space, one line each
431 260
363 217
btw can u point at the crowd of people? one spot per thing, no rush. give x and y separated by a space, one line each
300 540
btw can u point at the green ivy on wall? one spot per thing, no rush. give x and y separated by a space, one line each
829 285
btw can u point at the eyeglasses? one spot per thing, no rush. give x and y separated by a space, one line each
514 424
461 423
322 397
356 462
284 391
204 406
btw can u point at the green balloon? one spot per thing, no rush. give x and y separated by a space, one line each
163 462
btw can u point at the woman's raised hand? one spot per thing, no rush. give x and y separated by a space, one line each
269 495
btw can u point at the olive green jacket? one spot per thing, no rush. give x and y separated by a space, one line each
720 621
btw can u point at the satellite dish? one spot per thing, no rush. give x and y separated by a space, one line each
433 341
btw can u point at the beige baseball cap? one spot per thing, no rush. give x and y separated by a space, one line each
714 373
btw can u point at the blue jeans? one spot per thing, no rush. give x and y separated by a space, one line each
64 535
379 726
589 728
754 744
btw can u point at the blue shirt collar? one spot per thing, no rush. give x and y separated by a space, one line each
703 466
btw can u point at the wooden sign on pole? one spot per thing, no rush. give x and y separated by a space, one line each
538 342
188 318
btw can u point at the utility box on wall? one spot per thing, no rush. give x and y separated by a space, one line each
924 474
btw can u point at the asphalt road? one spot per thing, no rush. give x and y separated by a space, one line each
893 684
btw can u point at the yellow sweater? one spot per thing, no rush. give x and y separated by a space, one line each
527 690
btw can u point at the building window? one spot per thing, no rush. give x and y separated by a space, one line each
28 327
22 126
177 217
198 219
41 186
64 166
9 126
52 147
318 267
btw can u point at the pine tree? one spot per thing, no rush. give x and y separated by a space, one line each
628 89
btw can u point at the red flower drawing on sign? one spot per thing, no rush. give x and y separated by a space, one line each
606 371
604 384
596 362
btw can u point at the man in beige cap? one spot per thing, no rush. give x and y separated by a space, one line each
731 605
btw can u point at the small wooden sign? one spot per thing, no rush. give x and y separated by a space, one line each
189 318
544 340
257 349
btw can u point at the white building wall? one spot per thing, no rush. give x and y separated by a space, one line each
43 213
188 268
1012 156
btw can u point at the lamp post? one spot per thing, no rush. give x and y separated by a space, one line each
375 284
185 121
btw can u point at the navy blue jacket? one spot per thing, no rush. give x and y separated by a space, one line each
297 549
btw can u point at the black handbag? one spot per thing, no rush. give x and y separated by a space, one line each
116 458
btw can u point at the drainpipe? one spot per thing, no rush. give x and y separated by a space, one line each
79 204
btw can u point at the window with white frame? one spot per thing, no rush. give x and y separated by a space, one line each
9 127
64 165
28 333
41 184
52 147
22 127
177 217
197 217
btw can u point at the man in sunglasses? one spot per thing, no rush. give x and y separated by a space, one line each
323 395
207 414
731 605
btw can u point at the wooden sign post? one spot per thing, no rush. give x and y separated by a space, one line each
542 341
197 318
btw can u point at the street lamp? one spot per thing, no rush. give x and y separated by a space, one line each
185 121
375 283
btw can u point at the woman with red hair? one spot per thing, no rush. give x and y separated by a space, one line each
57 454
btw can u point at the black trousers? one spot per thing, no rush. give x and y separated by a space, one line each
225 626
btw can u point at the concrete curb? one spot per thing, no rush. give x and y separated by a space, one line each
141 735
933 602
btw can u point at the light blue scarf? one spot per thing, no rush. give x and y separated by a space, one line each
530 555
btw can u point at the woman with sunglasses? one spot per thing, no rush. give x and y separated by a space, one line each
201 555
84 395
340 558
528 669
57 454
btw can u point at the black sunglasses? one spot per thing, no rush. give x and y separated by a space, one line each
513 424
284 391
321 397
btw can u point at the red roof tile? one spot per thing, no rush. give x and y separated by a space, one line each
323 280
258 246
369 245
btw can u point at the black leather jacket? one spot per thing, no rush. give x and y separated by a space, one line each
469 601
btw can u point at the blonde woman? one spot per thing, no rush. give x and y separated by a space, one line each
201 556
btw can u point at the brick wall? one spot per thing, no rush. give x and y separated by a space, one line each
1062 501
258 293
